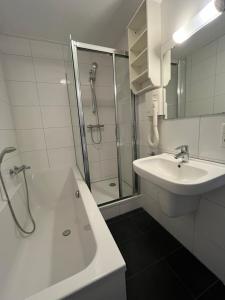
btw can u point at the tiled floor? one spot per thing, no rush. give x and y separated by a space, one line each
158 266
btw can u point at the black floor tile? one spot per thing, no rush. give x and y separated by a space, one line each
217 292
195 276
156 283
124 230
145 222
147 249
158 267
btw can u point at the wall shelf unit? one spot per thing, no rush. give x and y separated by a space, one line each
144 39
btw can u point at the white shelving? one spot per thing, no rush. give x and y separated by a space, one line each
144 35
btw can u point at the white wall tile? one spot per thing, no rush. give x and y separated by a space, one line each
31 139
3 92
206 226
107 115
220 68
27 117
211 255
109 168
210 138
6 121
177 132
7 138
221 44
95 171
203 69
203 89
93 153
199 107
14 45
55 116
22 93
38 160
40 103
46 50
216 196
101 59
61 157
19 68
204 53
58 137
220 86
84 57
49 70
108 151
53 94
109 133
219 103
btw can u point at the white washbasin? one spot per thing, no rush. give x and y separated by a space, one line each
192 178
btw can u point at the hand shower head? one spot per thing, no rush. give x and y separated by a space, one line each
93 71
6 151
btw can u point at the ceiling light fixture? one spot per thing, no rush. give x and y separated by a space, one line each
209 13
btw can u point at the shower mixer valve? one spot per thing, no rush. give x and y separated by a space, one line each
16 170
90 126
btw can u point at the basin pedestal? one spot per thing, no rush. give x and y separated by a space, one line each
174 205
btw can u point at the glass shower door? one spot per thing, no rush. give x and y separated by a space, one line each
126 144
76 111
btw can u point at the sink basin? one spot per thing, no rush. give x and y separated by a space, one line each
192 178
180 185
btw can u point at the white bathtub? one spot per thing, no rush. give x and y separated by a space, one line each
47 265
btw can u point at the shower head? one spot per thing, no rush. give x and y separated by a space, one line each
93 71
6 151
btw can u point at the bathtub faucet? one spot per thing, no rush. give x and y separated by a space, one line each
16 170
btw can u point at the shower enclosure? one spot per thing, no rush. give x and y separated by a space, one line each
103 120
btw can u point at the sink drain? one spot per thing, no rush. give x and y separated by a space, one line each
112 184
66 232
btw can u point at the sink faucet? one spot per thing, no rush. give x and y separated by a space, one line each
184 153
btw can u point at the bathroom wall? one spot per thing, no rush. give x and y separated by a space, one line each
7 129
102 157
35 80
203 233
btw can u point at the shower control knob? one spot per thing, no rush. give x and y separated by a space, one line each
77 194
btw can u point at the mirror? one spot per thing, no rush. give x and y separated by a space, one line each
197 81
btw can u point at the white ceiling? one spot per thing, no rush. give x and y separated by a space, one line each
92 21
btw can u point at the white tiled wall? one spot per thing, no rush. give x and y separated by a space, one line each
35 73
7 129
102 157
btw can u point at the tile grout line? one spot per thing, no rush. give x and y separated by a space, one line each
207 289
153 264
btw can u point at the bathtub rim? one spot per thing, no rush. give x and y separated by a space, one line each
101 264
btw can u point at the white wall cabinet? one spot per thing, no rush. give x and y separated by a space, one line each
144 41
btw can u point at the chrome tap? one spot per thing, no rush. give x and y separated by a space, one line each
16 170
184 153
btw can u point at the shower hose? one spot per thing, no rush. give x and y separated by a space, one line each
12 210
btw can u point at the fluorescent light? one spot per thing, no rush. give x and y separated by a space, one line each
209 13
204 17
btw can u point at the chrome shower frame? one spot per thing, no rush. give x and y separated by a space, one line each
75 46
